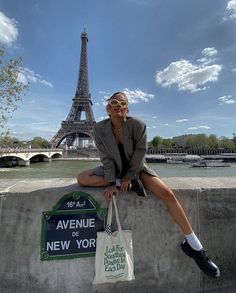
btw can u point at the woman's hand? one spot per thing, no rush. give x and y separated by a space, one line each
125 185
110 191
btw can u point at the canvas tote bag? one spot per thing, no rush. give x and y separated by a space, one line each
114 252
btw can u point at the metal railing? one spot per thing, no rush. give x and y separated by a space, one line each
27 150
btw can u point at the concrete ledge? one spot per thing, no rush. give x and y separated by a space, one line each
160 266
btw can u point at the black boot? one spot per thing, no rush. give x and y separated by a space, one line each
201 259
137 186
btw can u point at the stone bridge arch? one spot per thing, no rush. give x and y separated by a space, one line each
25 157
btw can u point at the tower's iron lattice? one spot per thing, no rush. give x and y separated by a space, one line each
75 128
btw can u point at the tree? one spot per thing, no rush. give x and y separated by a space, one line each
213 141
6 141
234 140
190 141
39 143
156 141
226 143
167 142
11 88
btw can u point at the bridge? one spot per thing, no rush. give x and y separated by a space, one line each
23 157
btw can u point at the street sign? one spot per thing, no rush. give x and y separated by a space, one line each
70 229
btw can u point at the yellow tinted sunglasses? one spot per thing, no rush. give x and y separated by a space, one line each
115 102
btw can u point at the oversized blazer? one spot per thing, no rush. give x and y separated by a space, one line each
135 146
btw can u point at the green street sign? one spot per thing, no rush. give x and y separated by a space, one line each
70 229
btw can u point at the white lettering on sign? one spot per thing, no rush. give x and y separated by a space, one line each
75 224
58 245
77 204
85 243
75 234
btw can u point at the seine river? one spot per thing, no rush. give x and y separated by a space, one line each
69 169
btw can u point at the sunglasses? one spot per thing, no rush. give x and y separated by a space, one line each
114 103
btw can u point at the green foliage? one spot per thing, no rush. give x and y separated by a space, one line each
226 143
11 88
167 142
195 141
213 142
156 141
234 140
10 142
39 142
198 140
7 141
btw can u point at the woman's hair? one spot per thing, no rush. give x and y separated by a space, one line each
117 93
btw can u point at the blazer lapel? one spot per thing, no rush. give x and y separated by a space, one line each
110 142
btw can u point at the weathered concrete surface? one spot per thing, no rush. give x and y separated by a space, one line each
160 266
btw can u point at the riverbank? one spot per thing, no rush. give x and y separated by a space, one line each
83 159
168 158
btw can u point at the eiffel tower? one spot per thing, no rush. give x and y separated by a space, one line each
74 128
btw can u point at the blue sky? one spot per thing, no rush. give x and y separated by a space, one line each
174 59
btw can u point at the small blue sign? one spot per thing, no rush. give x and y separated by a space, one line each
70 229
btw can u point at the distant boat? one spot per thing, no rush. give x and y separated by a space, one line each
173 161
216 163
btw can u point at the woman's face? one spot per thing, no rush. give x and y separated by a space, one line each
118 110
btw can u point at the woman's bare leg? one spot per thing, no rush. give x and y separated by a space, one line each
89 178
161 190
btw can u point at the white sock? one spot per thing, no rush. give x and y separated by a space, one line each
193 241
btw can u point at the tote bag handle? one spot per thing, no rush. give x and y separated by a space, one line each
109 216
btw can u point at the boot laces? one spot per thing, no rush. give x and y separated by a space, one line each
203 254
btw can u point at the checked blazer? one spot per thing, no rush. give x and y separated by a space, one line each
135 146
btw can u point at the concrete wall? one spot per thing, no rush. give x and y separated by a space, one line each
160 265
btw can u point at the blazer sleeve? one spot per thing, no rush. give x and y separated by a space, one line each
137 161
107 161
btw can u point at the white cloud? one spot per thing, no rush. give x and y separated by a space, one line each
226 100
181 120
188 76
234 70
230 10
8 30
134 96
17 132
28 75
40 123
209 52
22 78
137 96
199 127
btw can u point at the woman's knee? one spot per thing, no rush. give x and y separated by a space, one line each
158 187
168 196
83 178
80 179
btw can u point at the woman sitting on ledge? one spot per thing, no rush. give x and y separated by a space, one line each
121 143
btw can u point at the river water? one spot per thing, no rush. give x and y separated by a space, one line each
70 169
